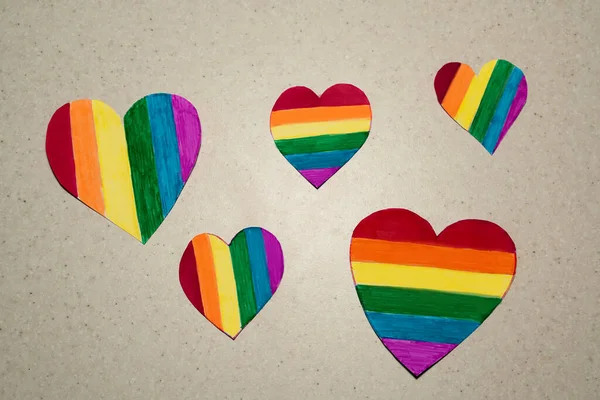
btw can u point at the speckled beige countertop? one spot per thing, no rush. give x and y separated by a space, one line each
87 312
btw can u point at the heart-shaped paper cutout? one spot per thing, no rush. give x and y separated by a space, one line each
485 105
423 293
133 173
319 135
230 284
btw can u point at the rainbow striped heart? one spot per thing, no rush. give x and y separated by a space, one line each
319 135
485 105
131 174
424 294
229 285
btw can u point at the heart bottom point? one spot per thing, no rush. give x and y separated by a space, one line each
233 335
317 177
417 356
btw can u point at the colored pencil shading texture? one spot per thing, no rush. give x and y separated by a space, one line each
486 105
131 173
229 285
319 135
424 294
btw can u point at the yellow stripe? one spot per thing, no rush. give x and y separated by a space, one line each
114 169
431 278
470 104
228 299
295 131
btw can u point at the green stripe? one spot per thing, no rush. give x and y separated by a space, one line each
143 169
432 303
315 144
243 277
490 99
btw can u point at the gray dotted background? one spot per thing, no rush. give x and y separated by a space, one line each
87 312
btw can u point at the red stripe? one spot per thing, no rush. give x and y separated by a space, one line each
59 149
444 78
188 278
478 235
296 97
400 225
396 225
342 94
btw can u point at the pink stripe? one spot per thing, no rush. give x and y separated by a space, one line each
189 134
515 109
317 177
274 259
417 357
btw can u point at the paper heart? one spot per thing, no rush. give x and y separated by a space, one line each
423 293
319 135
485 105
131 174
229 285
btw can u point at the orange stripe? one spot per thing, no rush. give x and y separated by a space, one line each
85 152
207 278
457 90
413 254
319 114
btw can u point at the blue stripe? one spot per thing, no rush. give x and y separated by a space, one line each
166 150
495 127
324 159
258 266
421 328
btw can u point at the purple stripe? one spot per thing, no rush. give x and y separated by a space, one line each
189 134
318 177
515 109
274 259
418 357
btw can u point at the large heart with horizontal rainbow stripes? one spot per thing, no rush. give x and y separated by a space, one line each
133 173
229 285
319 135
423 293
485 105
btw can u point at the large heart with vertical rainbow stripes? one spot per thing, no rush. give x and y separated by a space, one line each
133 173
230 285
423 293
485 105
319 135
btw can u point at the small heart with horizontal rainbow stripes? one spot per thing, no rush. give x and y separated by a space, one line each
230 284
486 105
132 174
423 293
319 135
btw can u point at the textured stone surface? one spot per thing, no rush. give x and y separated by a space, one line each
87 312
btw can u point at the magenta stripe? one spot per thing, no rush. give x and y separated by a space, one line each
318 177
417 356
274 259
515 109
189 134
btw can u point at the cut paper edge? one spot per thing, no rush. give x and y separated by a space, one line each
61 158
404 350
514 112
298 97
62 165
317 177
417 357
442 86
185 275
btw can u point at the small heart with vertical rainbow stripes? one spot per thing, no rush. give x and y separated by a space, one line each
319 135
486 105
230 284
132 174
423 293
